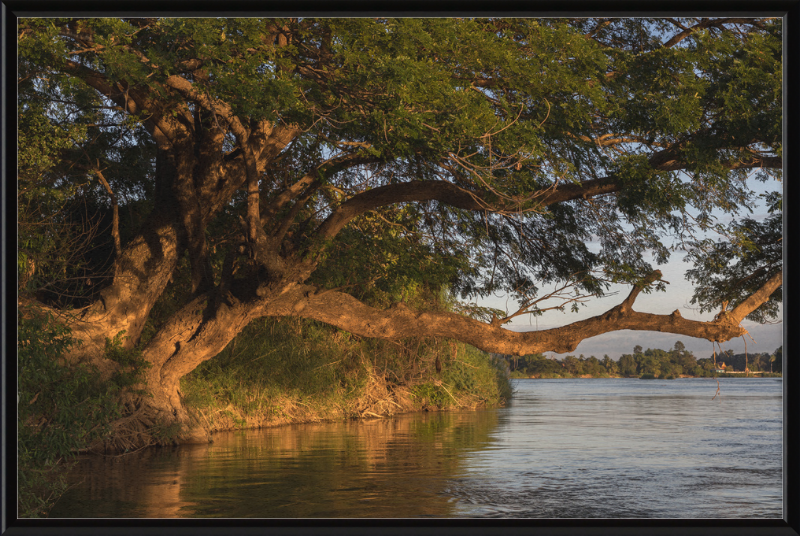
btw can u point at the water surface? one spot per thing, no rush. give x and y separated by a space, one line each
616 448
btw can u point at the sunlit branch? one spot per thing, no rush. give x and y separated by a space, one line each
346 312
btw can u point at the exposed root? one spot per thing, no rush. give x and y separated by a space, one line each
141 426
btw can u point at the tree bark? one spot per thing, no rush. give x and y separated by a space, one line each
141 274
198 332
345 312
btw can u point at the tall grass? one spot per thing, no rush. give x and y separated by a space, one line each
294 370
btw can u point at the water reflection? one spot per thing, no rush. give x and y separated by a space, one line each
562 449
383 468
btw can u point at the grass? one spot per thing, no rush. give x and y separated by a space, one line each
293 370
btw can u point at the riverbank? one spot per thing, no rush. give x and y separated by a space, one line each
276 372
297 371
567 376
579 448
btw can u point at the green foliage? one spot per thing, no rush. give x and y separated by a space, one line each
132 368
290 369
64 408
382 258
471 372
509 106
658 363
728 271
46 242
61 409
627 365
650 363
66 130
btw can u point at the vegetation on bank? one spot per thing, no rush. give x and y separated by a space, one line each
290 369
647 364
61 409
294 370
277 371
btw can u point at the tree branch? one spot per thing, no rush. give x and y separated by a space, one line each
415 191
346 312
702 25
114 209
188 91
452 195
328 167
129 100
757 298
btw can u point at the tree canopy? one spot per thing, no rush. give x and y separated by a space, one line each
323 167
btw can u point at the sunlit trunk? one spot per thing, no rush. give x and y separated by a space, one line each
196 333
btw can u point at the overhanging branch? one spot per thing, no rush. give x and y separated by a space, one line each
757 298
450 194
346 312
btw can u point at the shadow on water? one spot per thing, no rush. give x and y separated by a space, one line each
382 468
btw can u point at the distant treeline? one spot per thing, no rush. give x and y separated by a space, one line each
650 363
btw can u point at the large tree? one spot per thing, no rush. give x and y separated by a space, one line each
284 166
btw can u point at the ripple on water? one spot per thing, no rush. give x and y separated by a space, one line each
562 449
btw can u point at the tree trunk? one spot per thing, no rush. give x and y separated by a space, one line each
196 333
141 274
148 261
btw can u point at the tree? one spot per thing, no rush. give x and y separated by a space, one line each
649 364
687 361
573 365
313 167
627 365
545 366
777 362
707 366
592 366
610 365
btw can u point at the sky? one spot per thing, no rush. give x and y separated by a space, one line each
763 337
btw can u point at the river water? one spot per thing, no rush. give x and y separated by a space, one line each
588 448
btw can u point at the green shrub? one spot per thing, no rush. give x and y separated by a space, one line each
293 368
61 410
132 367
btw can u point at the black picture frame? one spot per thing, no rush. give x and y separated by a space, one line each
788 526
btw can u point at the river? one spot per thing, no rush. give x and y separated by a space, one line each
587 448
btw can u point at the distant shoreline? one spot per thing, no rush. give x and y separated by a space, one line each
644 377
649 364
